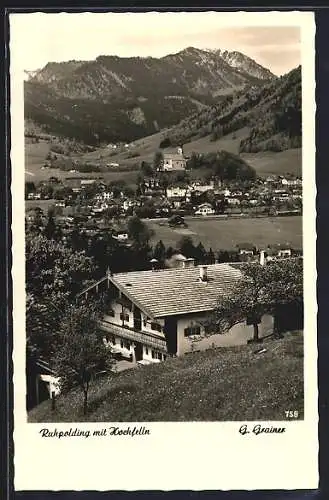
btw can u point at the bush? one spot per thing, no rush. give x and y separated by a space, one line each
165 143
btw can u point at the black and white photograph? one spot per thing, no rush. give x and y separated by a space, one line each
166 221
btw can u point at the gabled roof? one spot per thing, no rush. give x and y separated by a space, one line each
173 156
176 291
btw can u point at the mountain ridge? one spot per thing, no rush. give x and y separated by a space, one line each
272 112
126 98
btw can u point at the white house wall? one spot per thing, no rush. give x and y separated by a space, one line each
116 320
238 335
148 329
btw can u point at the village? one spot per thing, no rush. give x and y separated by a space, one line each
167 192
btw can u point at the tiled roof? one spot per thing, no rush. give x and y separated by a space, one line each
176 291
173 156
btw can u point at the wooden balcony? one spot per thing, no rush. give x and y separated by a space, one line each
130 334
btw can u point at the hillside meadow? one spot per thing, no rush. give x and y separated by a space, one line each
225 384
265 163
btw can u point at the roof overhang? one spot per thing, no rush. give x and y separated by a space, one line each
124 290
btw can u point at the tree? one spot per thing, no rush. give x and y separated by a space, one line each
146 169
159 252
54 270
165 143
158 160
260 290
211 259
200 254
194 162
186 246
42 319
139 232
51 231
81 354
29 188
37 225
54 274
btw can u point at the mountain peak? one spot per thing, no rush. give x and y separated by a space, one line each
246 64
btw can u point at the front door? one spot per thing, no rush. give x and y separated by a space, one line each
138 351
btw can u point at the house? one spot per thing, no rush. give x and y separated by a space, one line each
104 196
177 195
159 313
120 233
205 209
199 187
128 203
73 183
291 182
233 201
225 192
279 250
173 161
176 192
179 260
60 203
87 182
42 383
246 248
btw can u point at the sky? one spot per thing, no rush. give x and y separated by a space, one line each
273 41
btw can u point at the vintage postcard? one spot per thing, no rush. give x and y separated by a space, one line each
164 266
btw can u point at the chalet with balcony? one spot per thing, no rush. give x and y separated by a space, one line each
154 314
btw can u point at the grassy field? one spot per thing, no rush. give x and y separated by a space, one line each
267 163
35 155
264 163
226 234
227 384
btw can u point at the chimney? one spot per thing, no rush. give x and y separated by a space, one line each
188 263
262 258
154 263
203 273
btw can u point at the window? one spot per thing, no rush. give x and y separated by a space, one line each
144 322
127 344
112 339
192 330
121 343
153 354
156 326
160 356
146 350
124 317
111 312
164 357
